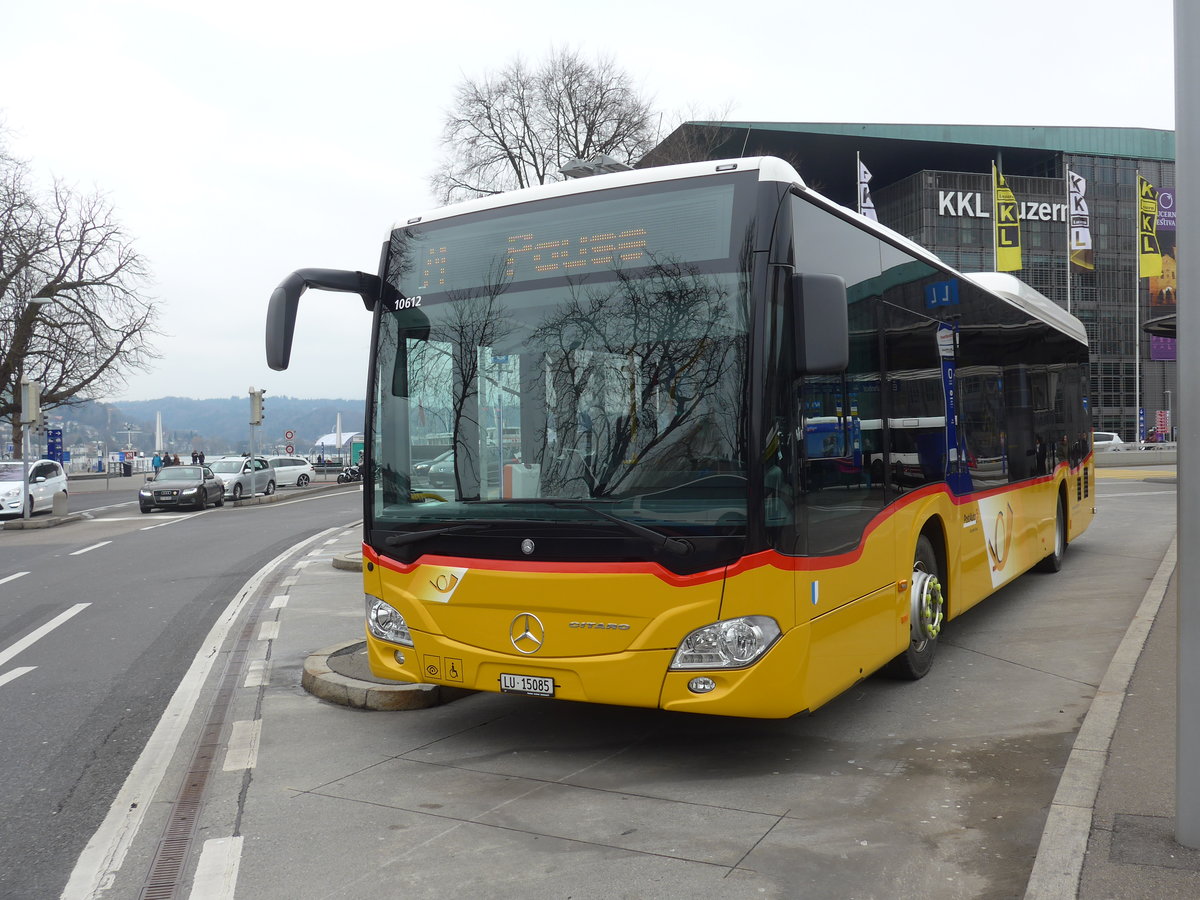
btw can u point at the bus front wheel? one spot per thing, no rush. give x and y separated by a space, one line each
927 610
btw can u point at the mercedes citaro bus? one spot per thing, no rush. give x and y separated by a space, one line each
655 385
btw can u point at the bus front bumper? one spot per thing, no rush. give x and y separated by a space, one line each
769 689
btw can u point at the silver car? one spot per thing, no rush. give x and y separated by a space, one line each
292 470
46 478
236 472
1107 440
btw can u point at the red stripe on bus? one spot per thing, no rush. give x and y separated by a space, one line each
771 558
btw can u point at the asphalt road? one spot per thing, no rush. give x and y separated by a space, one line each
99 619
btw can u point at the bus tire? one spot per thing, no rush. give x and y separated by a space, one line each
1053 562
928 610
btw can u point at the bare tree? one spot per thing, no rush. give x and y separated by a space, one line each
698 136
514 128
67 248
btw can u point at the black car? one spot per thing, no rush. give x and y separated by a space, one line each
176 487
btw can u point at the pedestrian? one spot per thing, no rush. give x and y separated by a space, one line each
157 463
175 461
195 457
201 457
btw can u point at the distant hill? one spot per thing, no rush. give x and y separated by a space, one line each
215 426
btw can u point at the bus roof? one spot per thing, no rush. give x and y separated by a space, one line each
1018 293
769 169
1007 287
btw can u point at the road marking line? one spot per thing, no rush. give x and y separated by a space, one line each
257 651
89 549
15 674
242 750
12 577
1114 495
34 636
172 520
277 602
104 854
258 674
268 631
217 870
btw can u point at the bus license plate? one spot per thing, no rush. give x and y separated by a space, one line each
527 684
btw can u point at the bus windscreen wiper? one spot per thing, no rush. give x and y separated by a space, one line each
412 537
678 546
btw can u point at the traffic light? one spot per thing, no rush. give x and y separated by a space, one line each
256 406
31 402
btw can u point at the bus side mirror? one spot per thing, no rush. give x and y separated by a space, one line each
821 320
285 299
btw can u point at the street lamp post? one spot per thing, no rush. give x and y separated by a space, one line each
35 304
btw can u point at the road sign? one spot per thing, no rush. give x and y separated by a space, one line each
290 449
54 444
288 435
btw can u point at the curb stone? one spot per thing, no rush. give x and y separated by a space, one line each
320 680
351 562
45 522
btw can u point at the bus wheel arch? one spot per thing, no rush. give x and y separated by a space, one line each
928 597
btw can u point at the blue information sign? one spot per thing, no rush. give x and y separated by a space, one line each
54 444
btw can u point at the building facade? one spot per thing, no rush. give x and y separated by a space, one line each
933 184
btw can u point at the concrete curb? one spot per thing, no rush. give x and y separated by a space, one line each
282 493
45 522
320 680
350 562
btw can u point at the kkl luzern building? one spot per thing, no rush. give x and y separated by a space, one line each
1093 210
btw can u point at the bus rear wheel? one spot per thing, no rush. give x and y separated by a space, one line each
926 614
1053 562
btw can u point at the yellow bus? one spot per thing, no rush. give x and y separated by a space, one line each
659 491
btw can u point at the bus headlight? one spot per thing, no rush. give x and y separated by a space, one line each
729 644
386 623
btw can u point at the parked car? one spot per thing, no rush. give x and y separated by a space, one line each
421 470
46 478
236 473
441 472
1106 440
176 487
292 470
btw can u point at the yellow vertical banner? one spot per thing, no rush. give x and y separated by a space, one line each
1008 226
1149 252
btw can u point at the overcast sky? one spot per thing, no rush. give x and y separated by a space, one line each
238 141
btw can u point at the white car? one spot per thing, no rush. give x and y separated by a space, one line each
292 470
235 472
1106 440
46 478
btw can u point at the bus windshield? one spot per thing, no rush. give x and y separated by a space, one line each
567 379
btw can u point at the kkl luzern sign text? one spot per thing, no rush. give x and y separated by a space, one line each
970 203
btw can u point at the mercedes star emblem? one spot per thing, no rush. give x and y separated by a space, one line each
527 633
527 546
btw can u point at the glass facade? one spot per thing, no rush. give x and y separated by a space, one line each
950 213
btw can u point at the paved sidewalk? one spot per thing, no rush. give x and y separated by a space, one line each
1131 850
335 801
